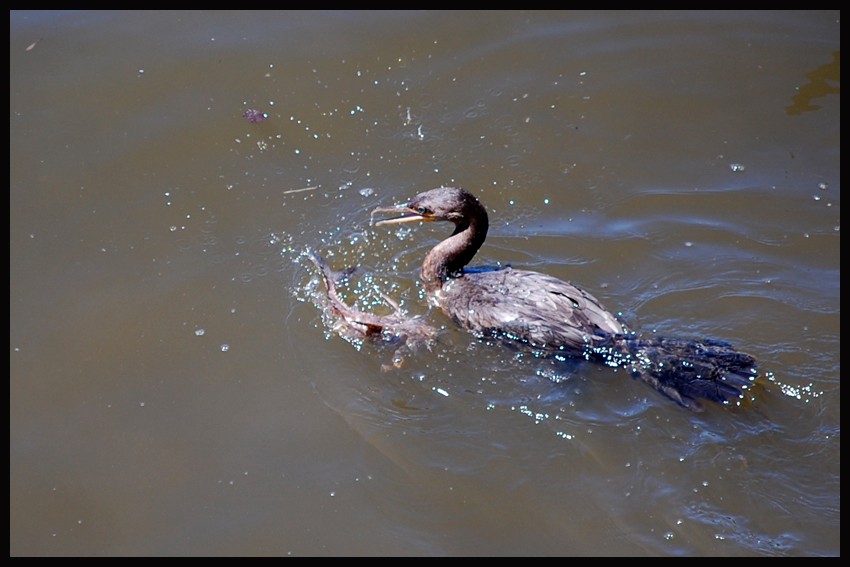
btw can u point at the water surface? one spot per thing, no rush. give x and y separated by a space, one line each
174 388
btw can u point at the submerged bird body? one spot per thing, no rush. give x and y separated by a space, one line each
404 333
548 314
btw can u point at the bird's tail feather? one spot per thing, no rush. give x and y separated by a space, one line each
688 371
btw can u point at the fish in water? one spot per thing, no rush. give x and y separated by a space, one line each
406 334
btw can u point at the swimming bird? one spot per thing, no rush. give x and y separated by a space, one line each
549 315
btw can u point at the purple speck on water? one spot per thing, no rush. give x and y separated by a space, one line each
255 115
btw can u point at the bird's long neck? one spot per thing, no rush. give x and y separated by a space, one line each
448 258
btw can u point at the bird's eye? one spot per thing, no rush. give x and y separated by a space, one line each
421 210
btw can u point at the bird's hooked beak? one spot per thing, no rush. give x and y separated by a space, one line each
406 213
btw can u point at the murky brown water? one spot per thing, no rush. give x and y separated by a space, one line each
173 388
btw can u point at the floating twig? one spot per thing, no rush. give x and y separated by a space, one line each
313 188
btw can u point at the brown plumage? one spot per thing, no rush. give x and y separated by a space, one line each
550 315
